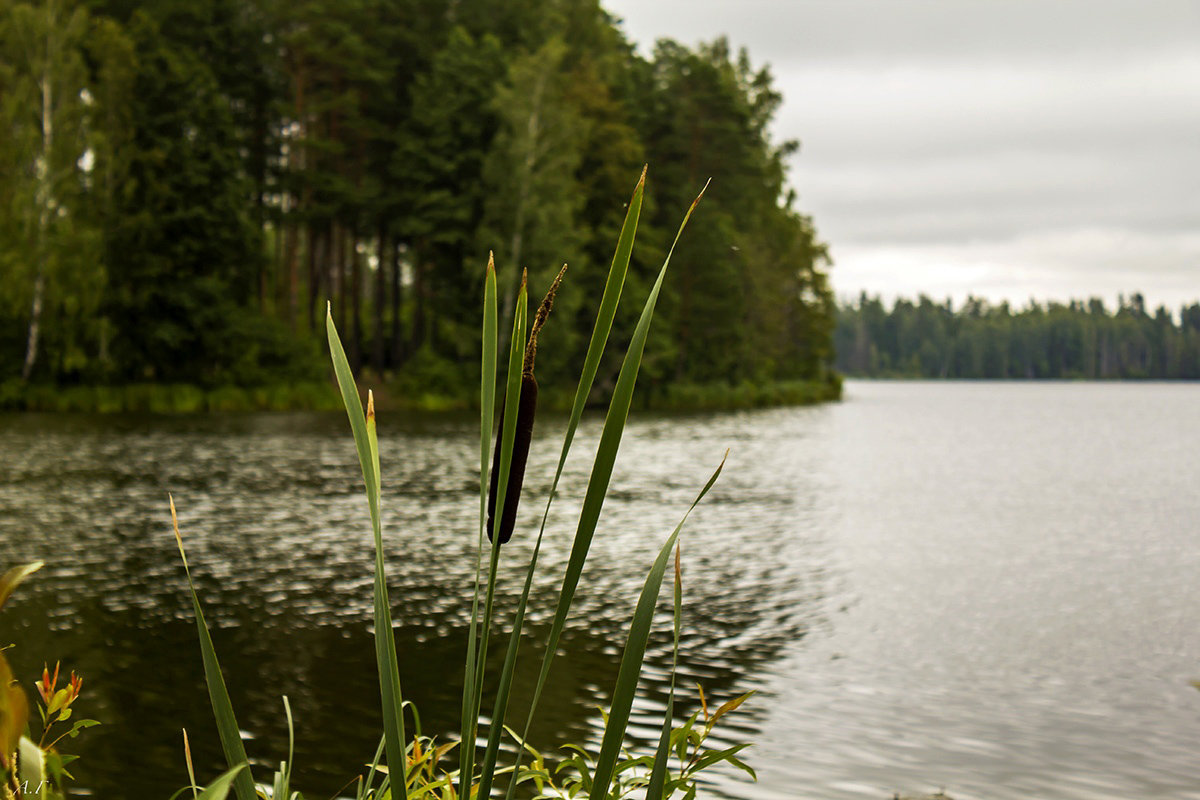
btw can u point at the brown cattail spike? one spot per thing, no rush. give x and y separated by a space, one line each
500 530
539 319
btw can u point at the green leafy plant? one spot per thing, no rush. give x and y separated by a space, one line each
406 767
28 768
574 775
578 774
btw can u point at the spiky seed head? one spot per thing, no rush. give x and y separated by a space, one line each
175 525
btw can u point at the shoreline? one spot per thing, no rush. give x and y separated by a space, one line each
180 399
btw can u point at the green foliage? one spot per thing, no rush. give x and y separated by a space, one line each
170 398
689 754
29 768
1077 340
221 170
181 249
57 67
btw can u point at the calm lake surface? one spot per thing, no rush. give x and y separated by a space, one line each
991 588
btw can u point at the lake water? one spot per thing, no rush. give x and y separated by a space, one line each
988 588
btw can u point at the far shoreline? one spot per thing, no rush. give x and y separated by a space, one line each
182 399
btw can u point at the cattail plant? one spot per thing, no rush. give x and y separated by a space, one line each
403 768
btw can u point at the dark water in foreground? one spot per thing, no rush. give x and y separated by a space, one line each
992 588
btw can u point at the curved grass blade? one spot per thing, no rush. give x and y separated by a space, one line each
487 410
218 694
11 579
367 444
369 783
283 778
609 300
508 432
658 775
634 655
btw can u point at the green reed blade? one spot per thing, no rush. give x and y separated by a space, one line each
604 317
218 694
354 409
591 363
508 432
367 443
658 775
602 467
283 778
635 654
365 787
487 410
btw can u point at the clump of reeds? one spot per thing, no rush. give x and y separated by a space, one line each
413 764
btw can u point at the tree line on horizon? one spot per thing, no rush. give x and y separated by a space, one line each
1075 340
185 184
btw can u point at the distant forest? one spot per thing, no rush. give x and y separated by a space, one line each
186 183
1079 339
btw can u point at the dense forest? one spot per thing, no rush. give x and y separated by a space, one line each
186 183
1079 339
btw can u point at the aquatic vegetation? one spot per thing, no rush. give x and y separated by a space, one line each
525 417
410 764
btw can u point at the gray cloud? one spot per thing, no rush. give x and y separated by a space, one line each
1009 148
881 31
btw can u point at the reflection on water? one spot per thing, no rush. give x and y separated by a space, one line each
986 587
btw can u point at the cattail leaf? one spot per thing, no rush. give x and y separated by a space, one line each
354 409
367 443
609 300
218 695
507 437
634 655
487 410
610 437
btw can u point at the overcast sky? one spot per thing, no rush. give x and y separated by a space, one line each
1007 148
